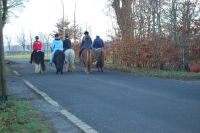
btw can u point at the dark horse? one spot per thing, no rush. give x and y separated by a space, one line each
38 59
87 57
100 57
58 60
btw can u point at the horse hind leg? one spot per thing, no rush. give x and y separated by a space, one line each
70 67
36 68
67 66
86 70
57 71
73 67
101 69
42 66
39 68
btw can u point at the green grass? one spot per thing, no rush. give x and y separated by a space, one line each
155 73
24 56
18 116
18 56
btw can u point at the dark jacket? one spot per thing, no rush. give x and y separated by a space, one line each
98 43
67 44
86 42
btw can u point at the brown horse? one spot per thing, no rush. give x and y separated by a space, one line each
87 58
100 57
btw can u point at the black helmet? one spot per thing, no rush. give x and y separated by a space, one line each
36 37
56 35
86 33
66 35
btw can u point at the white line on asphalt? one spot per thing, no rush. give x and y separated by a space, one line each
79 123
85 127
16 73
44 95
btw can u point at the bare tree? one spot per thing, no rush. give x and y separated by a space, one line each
31 41
72 30
76 29
123 11
8 8
8 40
46 42
21 39
59 26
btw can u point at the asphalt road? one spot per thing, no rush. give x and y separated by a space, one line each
115 102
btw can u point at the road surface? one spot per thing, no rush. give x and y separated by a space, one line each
116 102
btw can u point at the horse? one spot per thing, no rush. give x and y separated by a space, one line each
58 60
99 57
87 59
69 58
38 59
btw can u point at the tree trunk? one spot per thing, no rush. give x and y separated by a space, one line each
3 95
174 22
123 13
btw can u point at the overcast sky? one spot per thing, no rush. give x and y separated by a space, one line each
41 16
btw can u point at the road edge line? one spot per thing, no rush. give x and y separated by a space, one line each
16 73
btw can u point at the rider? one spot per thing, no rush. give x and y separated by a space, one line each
98 43
37 45
56 45
86 43
67 43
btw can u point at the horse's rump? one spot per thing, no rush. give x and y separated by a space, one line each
58 60
70 57
87 58
100 57
38 58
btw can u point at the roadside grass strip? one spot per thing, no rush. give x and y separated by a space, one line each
18 116
172 74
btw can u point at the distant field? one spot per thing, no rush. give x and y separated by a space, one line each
23 56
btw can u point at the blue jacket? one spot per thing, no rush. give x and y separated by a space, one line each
98 43
57 45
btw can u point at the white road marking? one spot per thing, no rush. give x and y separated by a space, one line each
16 73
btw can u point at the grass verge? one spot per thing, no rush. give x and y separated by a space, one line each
24 56
156 73
18 116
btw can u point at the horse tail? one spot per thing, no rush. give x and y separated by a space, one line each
87 57
70 57
42 61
